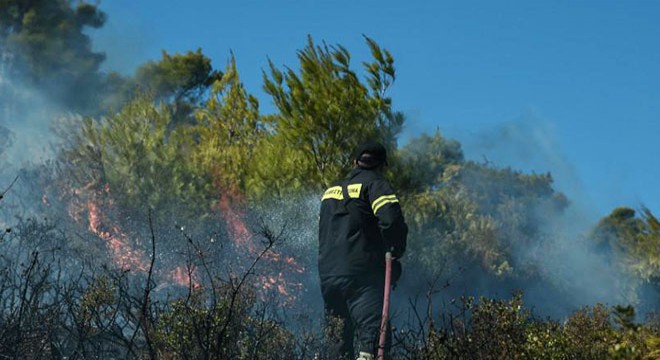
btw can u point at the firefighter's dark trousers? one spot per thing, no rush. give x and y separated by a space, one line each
353 306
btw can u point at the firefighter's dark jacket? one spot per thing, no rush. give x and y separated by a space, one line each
355 231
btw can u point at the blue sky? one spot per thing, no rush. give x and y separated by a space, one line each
569 87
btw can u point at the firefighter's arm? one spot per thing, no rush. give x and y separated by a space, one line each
385 205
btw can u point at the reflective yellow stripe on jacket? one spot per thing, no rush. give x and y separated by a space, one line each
383 200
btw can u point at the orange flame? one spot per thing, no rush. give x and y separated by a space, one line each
124 255
127 257
235 224
185 276
117 241
243 239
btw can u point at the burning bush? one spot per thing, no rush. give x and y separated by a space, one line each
59 305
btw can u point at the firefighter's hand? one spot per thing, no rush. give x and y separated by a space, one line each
397 269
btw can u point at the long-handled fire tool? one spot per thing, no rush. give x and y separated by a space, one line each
386 306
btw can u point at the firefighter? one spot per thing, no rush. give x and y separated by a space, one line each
360 220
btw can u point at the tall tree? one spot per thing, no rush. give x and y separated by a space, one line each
465 213
421 164
183 80
136 154
325 111
227 132
633 240
46 44
147 158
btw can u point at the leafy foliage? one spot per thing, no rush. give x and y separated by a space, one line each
149 160
324 113
462 213
476 212
637 239
228 132
46 42
421 164
135 155
196 139
633 243
181 79
504 329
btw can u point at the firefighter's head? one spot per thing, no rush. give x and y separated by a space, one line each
370 155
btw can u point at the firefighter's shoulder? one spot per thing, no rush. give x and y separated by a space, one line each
381 194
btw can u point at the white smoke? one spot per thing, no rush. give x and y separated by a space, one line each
565 258
26 114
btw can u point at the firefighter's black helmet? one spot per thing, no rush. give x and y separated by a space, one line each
371 154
